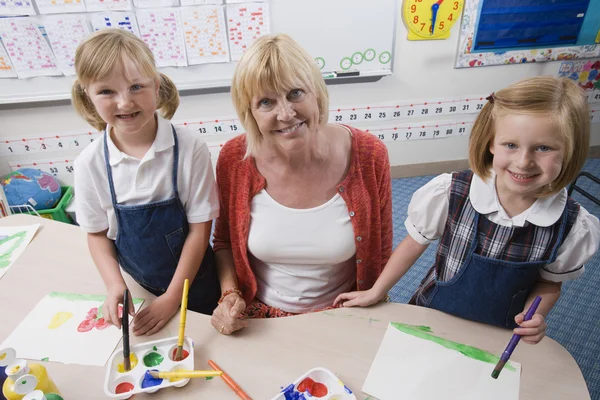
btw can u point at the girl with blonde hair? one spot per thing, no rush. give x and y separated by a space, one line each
146 194
508 231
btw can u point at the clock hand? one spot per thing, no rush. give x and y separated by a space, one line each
434 10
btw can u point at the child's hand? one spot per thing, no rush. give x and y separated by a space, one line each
226 317
152 318
531 331
110 308
360 298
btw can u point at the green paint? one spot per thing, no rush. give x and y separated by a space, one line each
153 359
5 259
52 396
154 348
45 359
208 378
423 332
85 297
339 315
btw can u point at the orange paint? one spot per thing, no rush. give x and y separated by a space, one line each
316 389
123 387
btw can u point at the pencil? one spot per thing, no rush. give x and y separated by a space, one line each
125 327
183 374
514 340
182 317
230 382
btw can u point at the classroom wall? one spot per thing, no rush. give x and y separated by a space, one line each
423 71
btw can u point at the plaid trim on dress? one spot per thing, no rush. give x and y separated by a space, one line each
515 244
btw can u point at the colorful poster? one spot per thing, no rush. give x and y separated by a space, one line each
245 23
6 68
205 34
121 20
414 364
60 6
161 29
587 75
67 328
65 32
13 241
16 7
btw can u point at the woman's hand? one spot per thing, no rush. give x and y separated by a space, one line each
532 331
110 308
360 298
227 316
152 318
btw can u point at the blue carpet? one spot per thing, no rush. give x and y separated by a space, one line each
575 320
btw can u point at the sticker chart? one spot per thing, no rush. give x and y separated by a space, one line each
6 68
65 33
161 29
205 34
586 73
121 20
60 6
13 241
67 328
199 2
246 22
155 3
410 358
108 5
27 48
16 7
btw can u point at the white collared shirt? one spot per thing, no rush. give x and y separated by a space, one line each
146 180
428 211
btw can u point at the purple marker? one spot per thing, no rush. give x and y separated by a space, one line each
515 339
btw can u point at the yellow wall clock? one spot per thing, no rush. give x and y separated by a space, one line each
431 19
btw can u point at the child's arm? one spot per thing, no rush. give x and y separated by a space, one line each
226 317
153 317
405 255
534 330
104 255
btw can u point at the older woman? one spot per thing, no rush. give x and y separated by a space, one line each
305 205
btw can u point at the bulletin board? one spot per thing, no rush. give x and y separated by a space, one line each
348 38
498 32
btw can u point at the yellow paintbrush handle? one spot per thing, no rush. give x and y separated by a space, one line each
188 374
183 312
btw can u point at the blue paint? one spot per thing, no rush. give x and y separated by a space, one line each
149 380
290 393
347 389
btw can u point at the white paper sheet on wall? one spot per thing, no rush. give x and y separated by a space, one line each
6 68
200 2
65 32
16 7
27 49
60 6
122 20
205 34
155 3
242 1
411 363
161 29
245 23
108 5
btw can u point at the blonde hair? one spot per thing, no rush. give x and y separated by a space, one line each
274 63
96 57
561 99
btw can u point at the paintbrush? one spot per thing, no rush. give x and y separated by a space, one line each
125 327
182 317
184 374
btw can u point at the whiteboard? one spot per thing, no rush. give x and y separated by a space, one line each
349 36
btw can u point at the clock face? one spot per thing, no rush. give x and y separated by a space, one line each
320 62
346 63
369 54
419 16
385 57
357 58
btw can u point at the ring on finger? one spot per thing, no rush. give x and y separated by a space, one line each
222 328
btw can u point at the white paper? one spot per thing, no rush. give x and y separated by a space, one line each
27 49
60 6
108 5
16 7
408 367
54 331
241 1
155 3
121 20
199 2
246 23
162 31
205 34
65 32
6 68
13 241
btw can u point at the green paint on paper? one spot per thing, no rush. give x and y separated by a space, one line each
208 378
423 332
5 259
85 297
338 315
153 359
45 359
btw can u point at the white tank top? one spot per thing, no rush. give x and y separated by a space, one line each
302 258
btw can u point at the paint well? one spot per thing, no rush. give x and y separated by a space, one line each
184 354
149 380
123 387
316 389
133 360
153 359
423 332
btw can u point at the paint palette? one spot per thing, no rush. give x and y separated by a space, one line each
157 355
318 383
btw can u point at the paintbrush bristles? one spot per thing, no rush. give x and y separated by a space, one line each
498 368
179 353
154 374
127 364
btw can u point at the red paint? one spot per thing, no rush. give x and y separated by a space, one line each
124 388
184 354
86 325
102 324
316 389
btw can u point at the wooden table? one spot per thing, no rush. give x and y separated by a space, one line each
270 353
